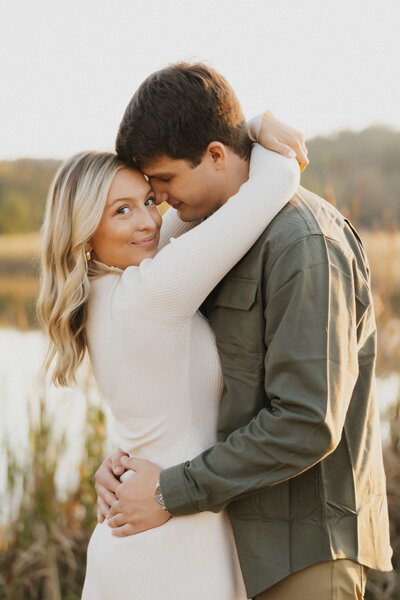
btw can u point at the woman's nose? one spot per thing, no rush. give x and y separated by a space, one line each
147 220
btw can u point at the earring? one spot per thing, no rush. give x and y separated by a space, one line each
88 255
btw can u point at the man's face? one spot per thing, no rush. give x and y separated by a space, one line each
193 191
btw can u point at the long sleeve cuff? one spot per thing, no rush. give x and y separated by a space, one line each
253 127
175 493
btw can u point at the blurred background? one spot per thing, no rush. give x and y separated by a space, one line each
68 71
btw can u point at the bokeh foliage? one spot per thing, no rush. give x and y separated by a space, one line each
358 170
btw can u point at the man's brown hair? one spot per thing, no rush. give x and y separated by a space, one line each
177 112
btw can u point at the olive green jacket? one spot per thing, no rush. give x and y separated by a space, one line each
299 463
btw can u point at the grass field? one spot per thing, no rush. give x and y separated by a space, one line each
19 246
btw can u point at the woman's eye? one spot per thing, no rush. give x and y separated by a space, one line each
150 201
123 210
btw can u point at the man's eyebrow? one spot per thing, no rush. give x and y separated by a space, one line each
127 198
159 175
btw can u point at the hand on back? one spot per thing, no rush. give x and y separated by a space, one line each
280 137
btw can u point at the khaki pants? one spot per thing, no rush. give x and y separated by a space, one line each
334 580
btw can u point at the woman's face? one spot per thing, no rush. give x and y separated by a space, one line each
129 229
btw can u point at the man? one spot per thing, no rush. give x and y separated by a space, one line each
298 464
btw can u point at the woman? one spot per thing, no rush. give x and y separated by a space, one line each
113 284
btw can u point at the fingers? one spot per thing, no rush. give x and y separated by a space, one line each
116 465
139 526
280 137
302 158
115 508
105 495
105 484
282 148
132 463
102 508
124 530
117 521
100 516
294 150
299 146
105 478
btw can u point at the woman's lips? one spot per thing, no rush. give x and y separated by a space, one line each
146 243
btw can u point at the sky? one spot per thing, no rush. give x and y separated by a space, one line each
69 67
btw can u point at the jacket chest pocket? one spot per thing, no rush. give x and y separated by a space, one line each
235 318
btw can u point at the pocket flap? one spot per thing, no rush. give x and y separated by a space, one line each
238 293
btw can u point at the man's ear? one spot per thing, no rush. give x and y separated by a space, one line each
217 154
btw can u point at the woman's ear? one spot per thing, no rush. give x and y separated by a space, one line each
217 154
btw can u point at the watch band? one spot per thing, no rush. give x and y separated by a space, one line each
158 497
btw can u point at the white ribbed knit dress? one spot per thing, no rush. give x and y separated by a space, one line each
156 362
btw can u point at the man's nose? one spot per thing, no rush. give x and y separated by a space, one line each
159 189
161 197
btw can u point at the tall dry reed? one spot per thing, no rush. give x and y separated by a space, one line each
43 547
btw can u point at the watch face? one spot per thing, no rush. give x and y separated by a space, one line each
159 497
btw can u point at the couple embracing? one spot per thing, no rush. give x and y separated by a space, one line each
234 340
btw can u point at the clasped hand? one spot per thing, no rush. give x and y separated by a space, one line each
280 137
128 507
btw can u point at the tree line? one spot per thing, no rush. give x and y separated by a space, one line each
357 171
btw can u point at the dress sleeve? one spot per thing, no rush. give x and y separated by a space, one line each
173 227
253 127
171 286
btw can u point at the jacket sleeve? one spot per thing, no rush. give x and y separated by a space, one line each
311 367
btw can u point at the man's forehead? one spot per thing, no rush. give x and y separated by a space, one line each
163 166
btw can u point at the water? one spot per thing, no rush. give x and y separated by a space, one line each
22 385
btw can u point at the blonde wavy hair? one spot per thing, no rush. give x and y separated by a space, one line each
74 208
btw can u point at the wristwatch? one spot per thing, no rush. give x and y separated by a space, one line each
158 497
